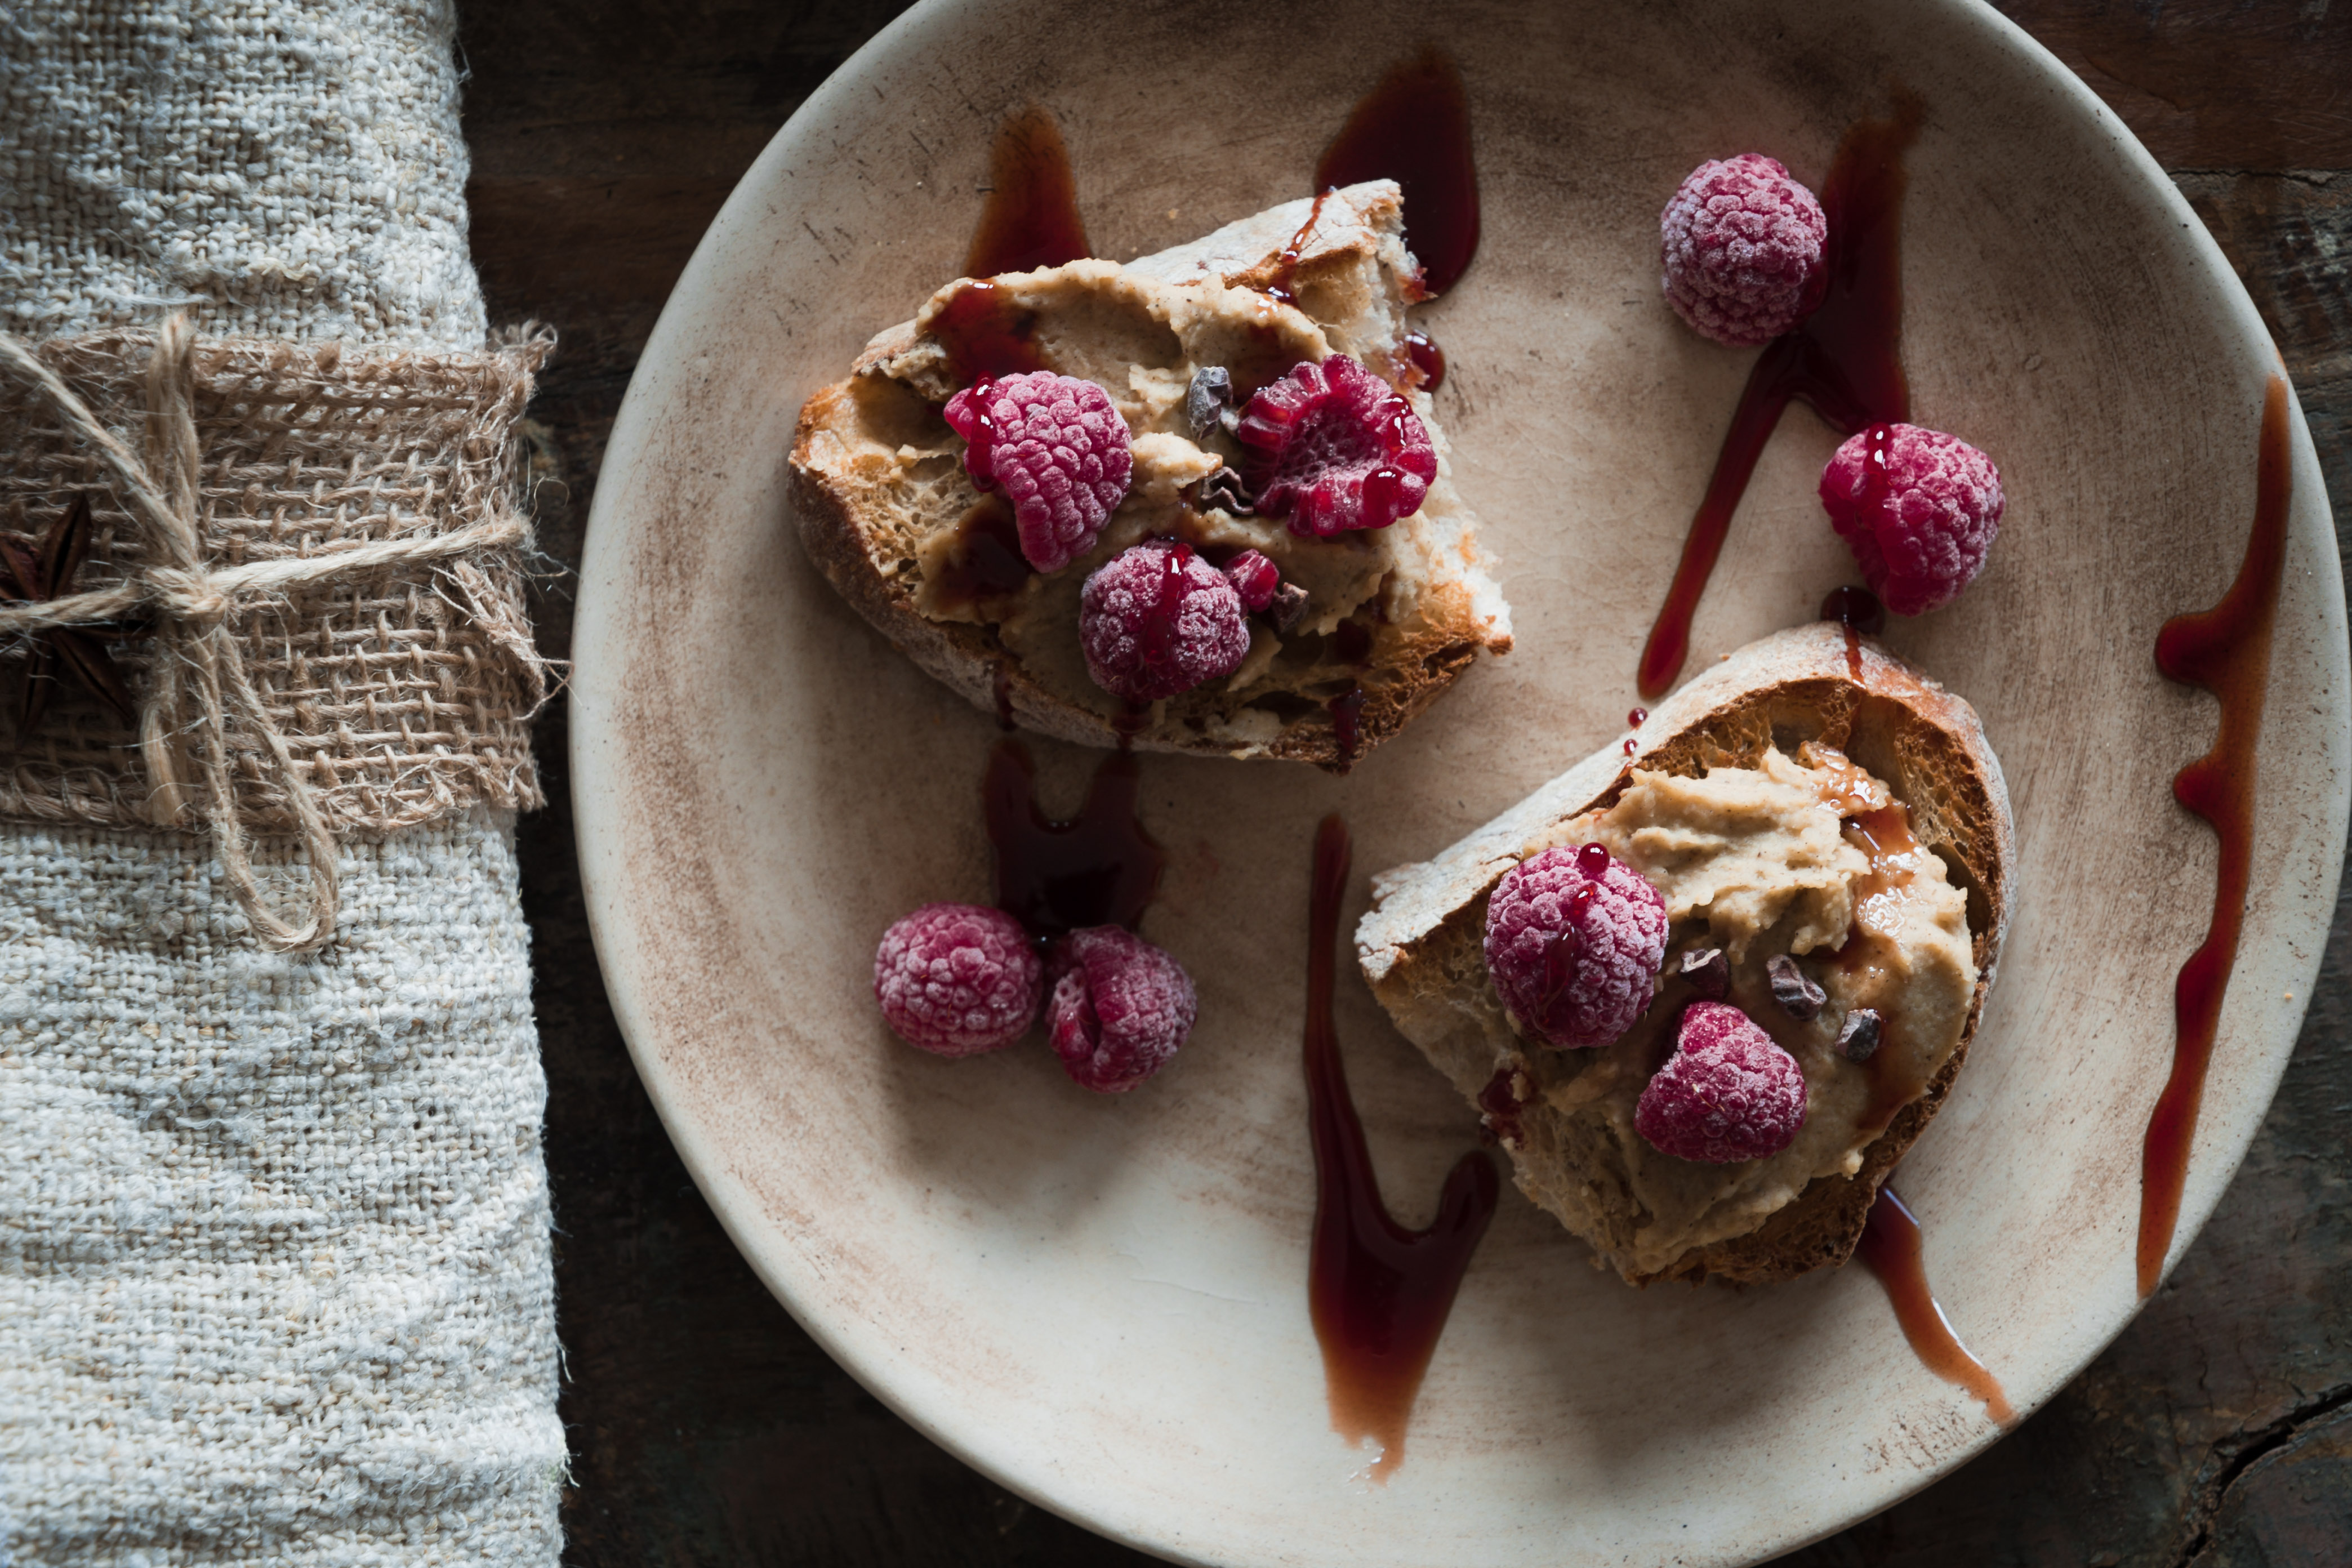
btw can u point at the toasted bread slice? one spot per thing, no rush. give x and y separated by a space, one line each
1392 616
1811 698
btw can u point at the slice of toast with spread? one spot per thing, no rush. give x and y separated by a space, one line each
1812 799
886 511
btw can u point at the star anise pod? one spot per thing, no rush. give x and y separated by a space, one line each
36 576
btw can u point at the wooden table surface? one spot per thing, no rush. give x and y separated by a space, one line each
707 1428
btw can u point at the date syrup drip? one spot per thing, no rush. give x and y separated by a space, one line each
2226 650
1843 361
1032 217
1099 867
1860 613
1414 128
1379 1294
986 562
1031 220
1281 286
1426 360
1890 1250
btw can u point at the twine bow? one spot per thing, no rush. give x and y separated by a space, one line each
198 682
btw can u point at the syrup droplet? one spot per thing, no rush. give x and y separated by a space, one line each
1637 718
1426 360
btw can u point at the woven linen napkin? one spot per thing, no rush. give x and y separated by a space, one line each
274 1271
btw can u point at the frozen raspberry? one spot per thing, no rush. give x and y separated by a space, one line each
1917 508
1255 578
1574 943
1058 449
1158 619
1121 1007
958 979
1728 1093
1333 448
1741 246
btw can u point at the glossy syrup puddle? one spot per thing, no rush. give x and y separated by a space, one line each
1890 1249
1845 361
1379 1294
2227 651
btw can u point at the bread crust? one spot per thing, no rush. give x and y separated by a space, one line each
1423 936
841 518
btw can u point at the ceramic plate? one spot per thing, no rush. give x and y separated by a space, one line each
1101 1302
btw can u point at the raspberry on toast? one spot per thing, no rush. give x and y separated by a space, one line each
1392 616
1861 725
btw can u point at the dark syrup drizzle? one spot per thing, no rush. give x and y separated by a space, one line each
1031 220
1414 128
986 562
1860 613
2226 650
1099 867
1890 1249
1845 361
1426 359
1283 284
1379 1294
1032 217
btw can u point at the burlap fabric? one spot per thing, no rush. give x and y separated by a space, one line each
274 1272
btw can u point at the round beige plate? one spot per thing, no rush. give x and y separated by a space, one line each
1101 1302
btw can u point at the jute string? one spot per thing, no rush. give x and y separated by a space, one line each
199 684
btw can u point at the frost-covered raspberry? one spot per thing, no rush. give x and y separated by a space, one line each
957 979
1728 1093
1121 1007
1742 248
1058 449
1332 448
1919 510
1574 943
1157 619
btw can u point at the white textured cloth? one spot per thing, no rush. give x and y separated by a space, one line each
288 169
274 1282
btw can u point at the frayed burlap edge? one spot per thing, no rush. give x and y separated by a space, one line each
404 691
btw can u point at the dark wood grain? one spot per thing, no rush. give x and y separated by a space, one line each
707 1428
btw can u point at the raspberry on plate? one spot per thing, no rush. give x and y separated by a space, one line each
1741 245
1058 451
1119 1008
1918 509
1157 619
958 979
1574 943
1333 448
1729 1092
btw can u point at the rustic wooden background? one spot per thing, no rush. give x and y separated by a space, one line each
707 1428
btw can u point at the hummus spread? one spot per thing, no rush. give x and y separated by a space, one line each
1808 856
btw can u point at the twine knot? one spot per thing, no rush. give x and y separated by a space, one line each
187 597
198 683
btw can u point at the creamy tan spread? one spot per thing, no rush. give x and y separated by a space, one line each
1809 856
